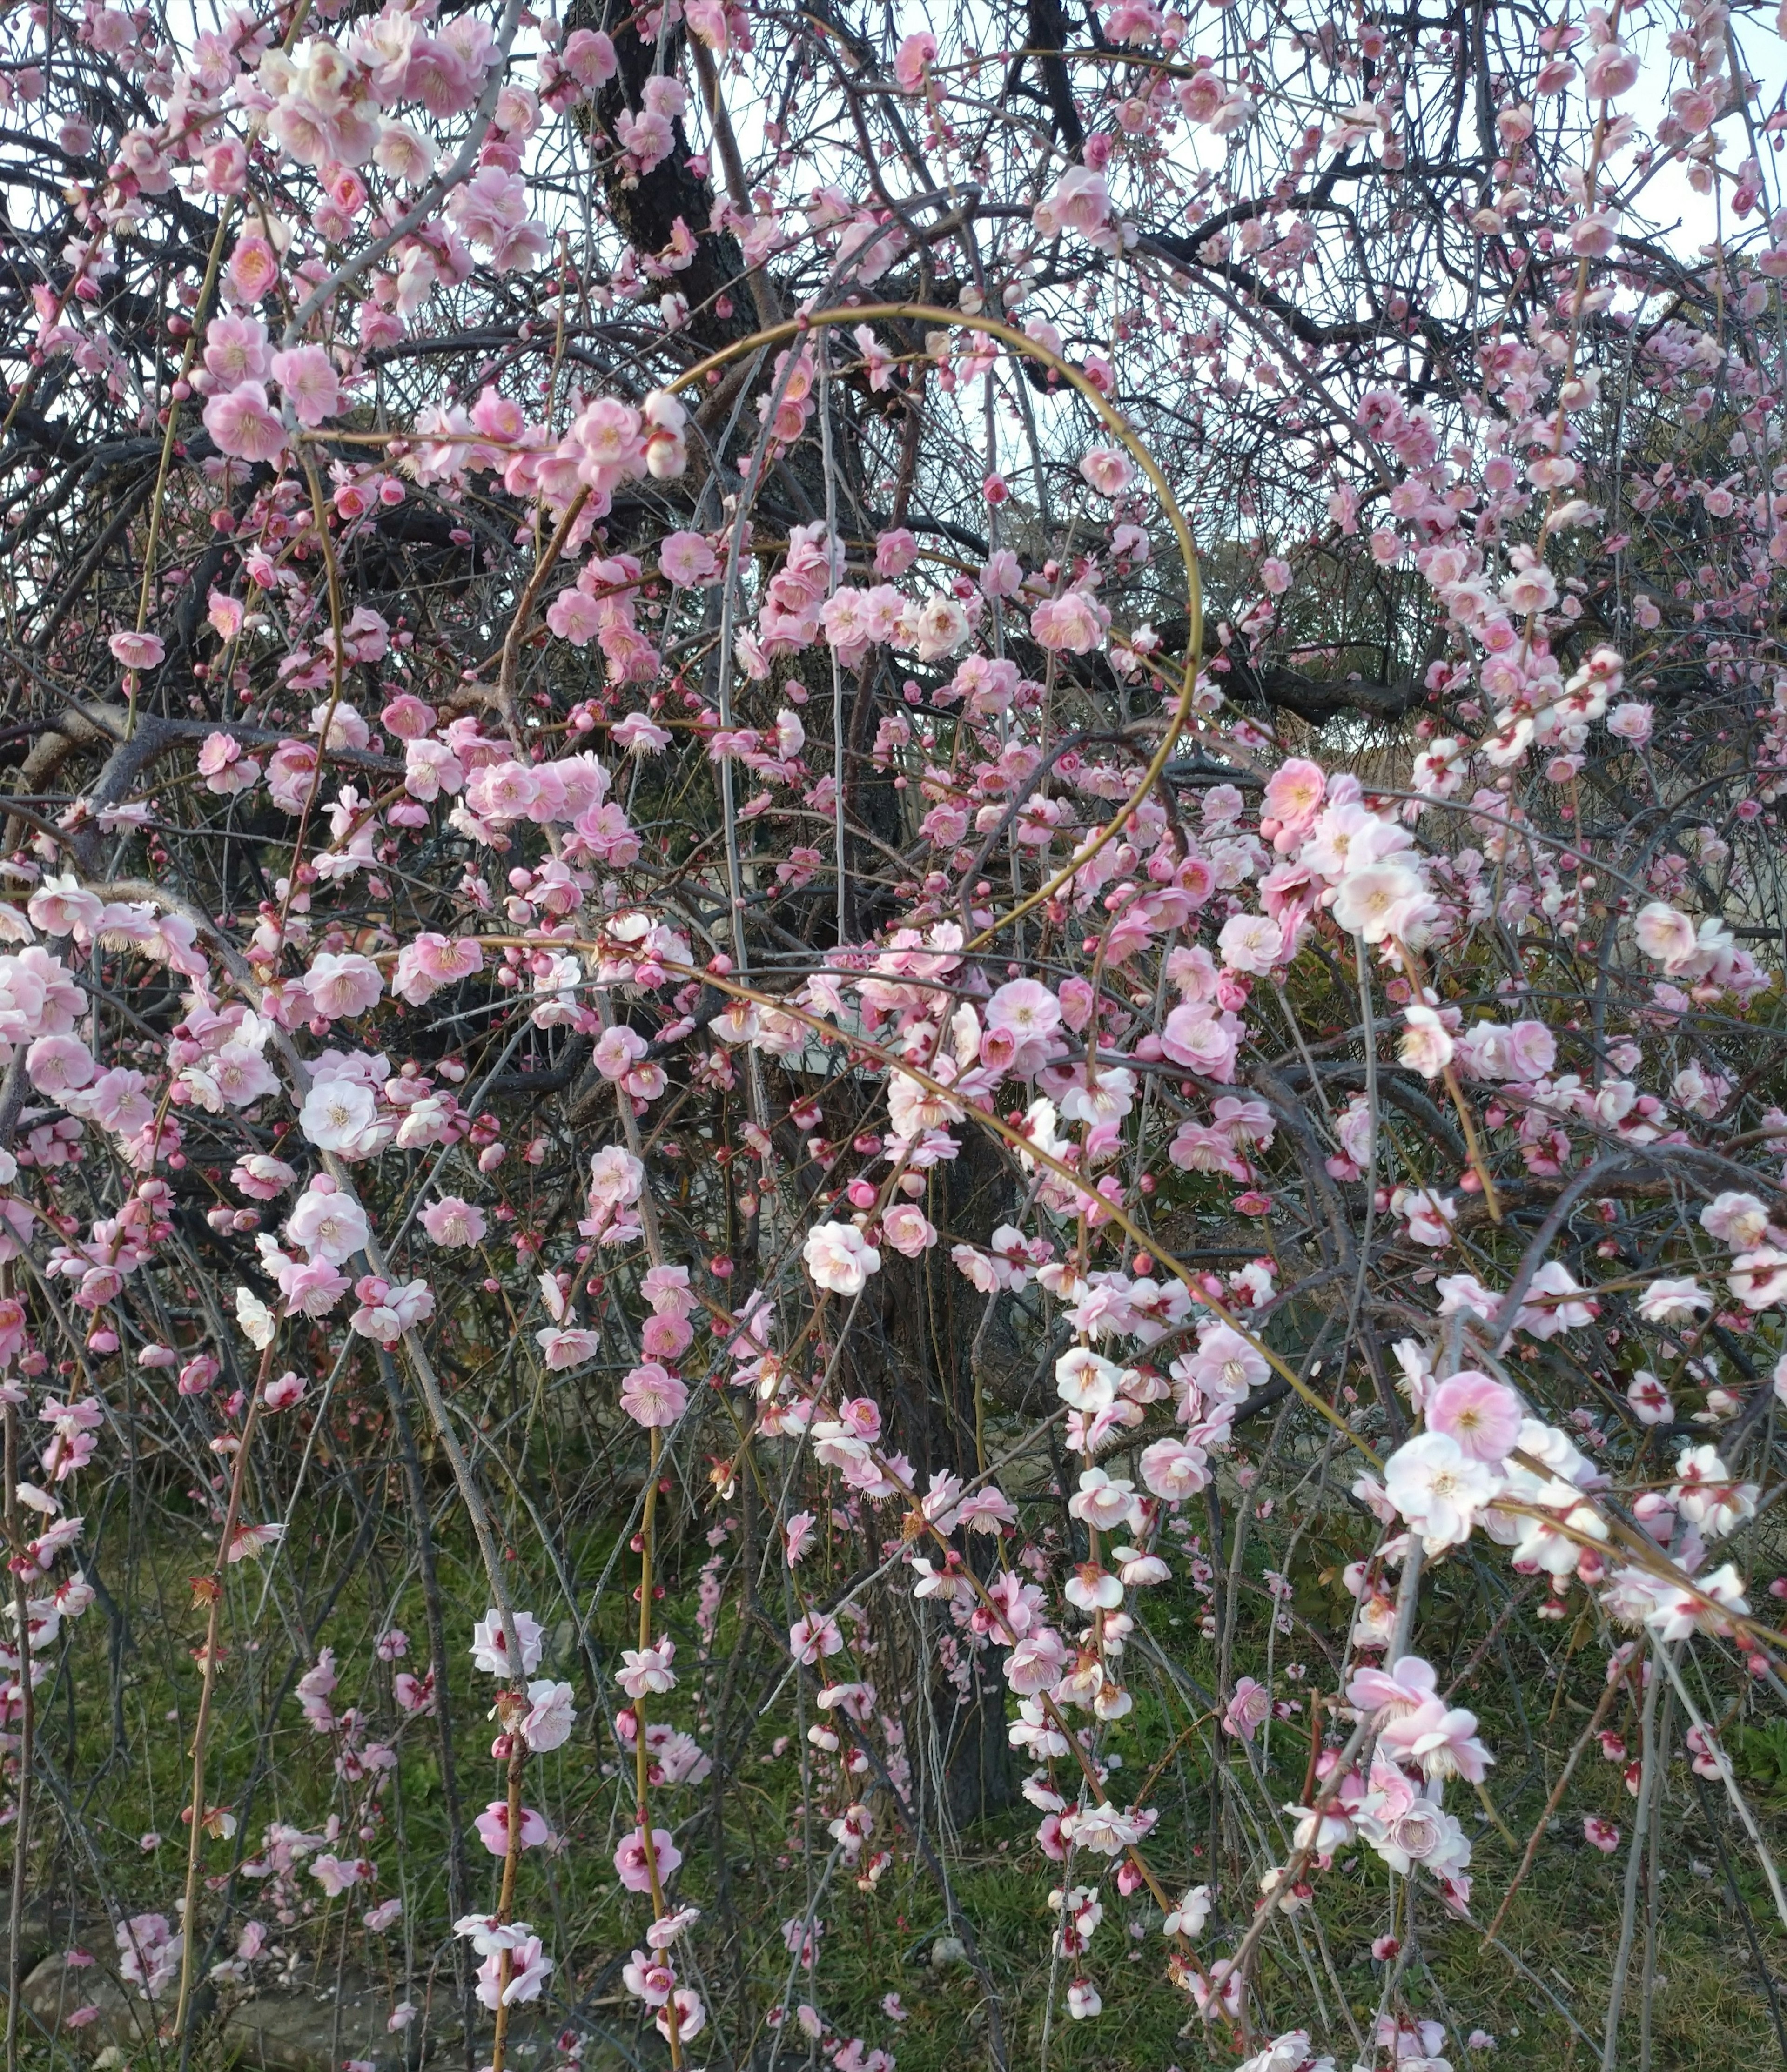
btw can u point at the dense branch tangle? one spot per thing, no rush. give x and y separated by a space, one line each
890 924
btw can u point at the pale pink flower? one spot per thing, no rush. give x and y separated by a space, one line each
1079 201
574 617
567 1345
646 1671
1481 1415
916 55
1532 1050
327 1223
338 1114
1438 1488
1247 1710
137 651
335 1874
1427 1044
1379 900
1739 1220
1663 934
839 1258
617 1051
528 1969
1109 470
895 550
1002 574
907 1230
814 1637
236 350
1611 72
1759 1278
244 424
1394 1693
634 1861
1444 1742
691 2014
60 1064
1175 1469
1069 624
432 961
666 1338
430 767
1673 1299
653 1396
1295 791
490 1644
638 735
1252 943
225 767
1083 2000
1594 235
452 1221
1037 1662
687 559
1026 1007
308 376
493 1826
280 1395
1649 1399
249 1542
342 988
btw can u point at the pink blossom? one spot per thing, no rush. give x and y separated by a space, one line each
1069 624
452 1221
907 1230
839 1258
490 1645
895 550
308 376
431 961
1611 72
653 1396
810 1640
691 2015
1246 1709
527 1967
687 559
1294 793
634 1862
646 1670
1080 201
236 350
916 55
666 1338
244 424
493 1826
1482 1416
137 651
1108 470
574 617
1036 1663
345 987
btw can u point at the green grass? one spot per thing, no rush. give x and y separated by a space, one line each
1708 2011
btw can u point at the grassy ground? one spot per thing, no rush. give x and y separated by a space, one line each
120 1752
